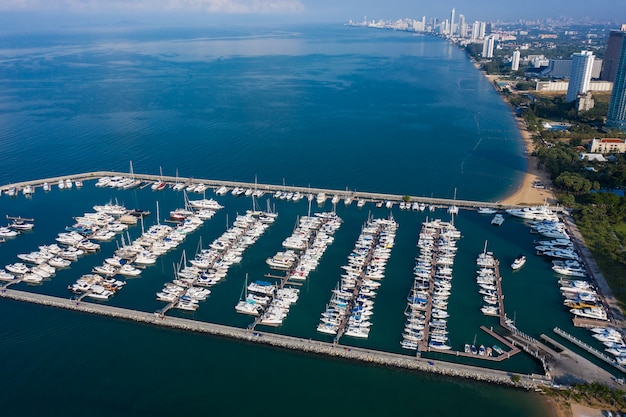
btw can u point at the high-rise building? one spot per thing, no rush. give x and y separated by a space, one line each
482 30
515 61
616 117
475 30
462 27
451 33
613 48
582 64
488 45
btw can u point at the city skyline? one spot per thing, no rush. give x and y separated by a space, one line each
326 10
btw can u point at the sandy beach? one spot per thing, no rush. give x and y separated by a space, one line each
561 409
526 194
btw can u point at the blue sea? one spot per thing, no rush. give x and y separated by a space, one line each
322 106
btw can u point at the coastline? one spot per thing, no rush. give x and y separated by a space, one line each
526 193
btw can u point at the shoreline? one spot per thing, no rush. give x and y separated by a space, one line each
526 193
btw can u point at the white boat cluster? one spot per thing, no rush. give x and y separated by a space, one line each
211 265
306 245
97 286
352 302
71 244
120 182
613 342
267 300
28 190
414 206
14 228
582 299
278 308
486 279
538 213
431 286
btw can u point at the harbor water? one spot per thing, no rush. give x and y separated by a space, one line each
325 106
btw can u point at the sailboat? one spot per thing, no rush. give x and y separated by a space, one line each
159 185
247 305
178 186
133 183
453 209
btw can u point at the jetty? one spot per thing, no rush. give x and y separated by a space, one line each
370 356
171 181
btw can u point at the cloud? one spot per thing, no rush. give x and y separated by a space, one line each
206 6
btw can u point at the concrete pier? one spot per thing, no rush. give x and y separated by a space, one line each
368 196
288 342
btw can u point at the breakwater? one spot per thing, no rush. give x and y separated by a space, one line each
288 342
368 196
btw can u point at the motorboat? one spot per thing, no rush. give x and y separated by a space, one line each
497 220
519 262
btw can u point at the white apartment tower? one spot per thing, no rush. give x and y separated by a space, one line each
515 60
451 33
488 45
580 77
462 27
478 30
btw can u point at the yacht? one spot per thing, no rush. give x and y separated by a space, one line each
490 310
597 313
497 220
518 262
321 198
17 268
6 276
534 213
360 203
486 210
570 271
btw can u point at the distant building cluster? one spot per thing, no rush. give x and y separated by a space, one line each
578 76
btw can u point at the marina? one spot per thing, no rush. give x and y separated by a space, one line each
350 314
180 99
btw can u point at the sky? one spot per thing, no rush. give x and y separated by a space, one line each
330 10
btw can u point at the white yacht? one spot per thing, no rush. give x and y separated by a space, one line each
497 220
597 313
518 262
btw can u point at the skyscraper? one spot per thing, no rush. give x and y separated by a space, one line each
452 23
580 77
515 61
488 45
613 48
616 117
462 27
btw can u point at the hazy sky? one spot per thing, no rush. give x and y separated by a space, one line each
335 10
